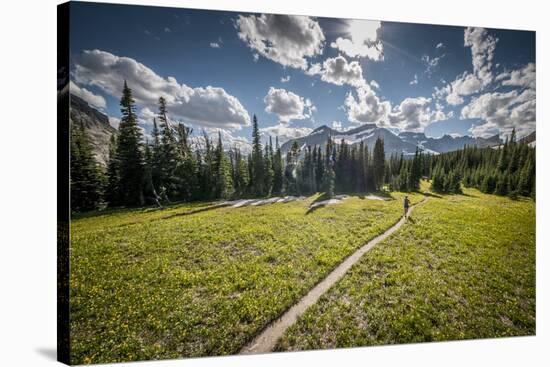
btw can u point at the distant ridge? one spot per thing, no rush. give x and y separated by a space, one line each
96 125
405 142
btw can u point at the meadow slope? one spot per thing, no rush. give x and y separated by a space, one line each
462 268
191 280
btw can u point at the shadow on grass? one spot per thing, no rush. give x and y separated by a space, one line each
141 209
324 196
314 208
411 220
199 210
432 195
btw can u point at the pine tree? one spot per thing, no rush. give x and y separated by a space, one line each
257 178
415 172
241 176
222 180
156 157
148 186
290 175
329 181
277 169
129 152
268 170
378 161
112 191
208 170
438 184
501 187
488 184
503 158
169 154
455 182
527 177
86 178
186 167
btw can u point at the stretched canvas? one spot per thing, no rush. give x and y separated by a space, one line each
236 183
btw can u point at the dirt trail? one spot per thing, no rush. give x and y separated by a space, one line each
266 340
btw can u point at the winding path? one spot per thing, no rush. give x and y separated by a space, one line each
266 340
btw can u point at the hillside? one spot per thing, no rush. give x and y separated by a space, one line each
96 125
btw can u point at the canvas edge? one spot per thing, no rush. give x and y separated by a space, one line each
63 202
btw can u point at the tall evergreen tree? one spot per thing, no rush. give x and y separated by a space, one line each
241 176
187 166
86 178
156 157
278 172
169 154
257 178
223 182
290 182
378 163
112 191
129 152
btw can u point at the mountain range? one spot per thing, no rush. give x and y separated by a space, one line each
99 131
404 142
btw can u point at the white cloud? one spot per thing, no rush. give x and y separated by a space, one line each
214 45
147 138
229 140
414 114
483 47
205 106
146 116
524 77
286 39
285 132
414 81
454 99
464 85
366 107
287 105
440 45
502 111
93 100
339 71
363 41
373 83
167 30
485 130
337 125
285 79
431 62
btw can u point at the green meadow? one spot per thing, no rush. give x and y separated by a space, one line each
196 279
462 267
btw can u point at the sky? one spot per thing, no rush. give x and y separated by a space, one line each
296 73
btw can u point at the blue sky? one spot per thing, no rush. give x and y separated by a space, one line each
217 69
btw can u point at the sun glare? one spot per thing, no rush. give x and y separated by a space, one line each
363 30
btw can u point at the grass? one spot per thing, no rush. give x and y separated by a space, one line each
184 281
462 268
